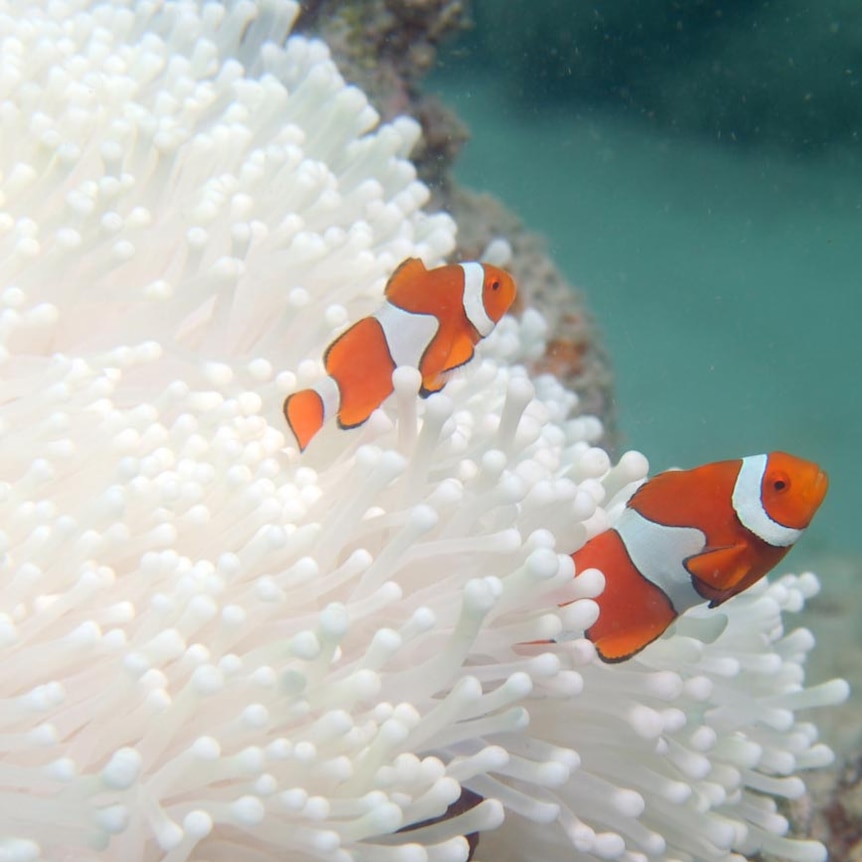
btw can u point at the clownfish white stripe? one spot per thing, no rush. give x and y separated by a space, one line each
646 543
474 304
407 334
748 504
327 389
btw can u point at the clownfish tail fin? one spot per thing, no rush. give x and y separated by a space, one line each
305 413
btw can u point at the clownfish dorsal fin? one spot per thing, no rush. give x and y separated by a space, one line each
720 572
404 277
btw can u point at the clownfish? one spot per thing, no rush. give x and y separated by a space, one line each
431 320
689 536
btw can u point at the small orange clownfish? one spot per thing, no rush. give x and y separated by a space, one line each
431 320
688 536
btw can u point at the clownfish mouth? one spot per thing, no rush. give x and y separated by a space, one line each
818 489
813 495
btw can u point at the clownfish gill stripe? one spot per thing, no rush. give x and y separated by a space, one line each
474 303
646 543
330 395
748 505
407 334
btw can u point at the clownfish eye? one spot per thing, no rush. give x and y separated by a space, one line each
495 285
780 483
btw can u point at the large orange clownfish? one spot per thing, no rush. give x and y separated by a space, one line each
688 536
431 320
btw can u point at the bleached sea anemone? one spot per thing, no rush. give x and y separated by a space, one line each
212 648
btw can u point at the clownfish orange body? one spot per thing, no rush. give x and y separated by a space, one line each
431 320
688 536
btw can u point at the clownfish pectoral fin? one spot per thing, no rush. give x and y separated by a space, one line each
444 358
431 386
404 277
304 412
719 573
461 352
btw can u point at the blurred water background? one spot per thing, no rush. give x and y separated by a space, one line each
695 167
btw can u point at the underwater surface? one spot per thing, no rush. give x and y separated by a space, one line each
709 204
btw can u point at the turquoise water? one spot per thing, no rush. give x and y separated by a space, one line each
726 281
